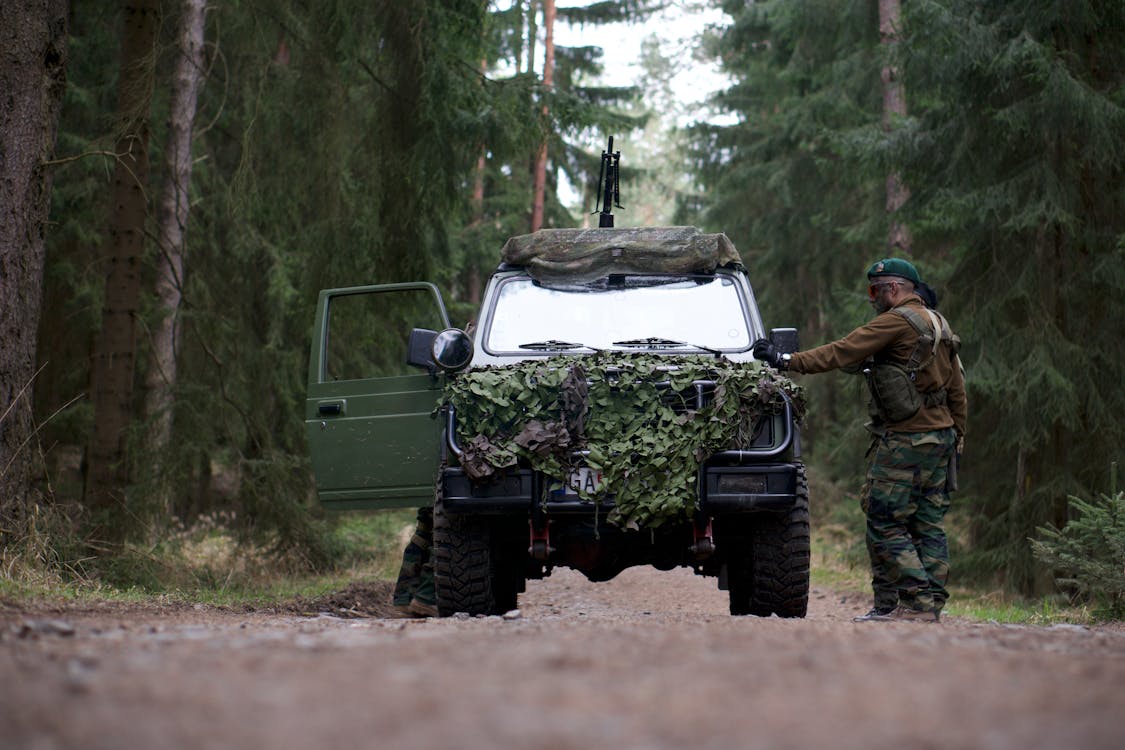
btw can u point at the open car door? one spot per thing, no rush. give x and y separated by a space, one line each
368 416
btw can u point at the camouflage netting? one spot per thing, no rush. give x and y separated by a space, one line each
586 254
647 447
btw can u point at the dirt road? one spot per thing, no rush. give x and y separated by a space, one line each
649 660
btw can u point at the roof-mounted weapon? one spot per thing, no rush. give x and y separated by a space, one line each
609 186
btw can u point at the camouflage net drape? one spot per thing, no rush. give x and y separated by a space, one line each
647 447
575 255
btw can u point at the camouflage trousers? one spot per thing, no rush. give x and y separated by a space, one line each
905 501
416 572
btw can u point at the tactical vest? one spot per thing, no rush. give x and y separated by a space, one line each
894 394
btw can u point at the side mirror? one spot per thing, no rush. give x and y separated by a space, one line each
452 350
785 339
420 349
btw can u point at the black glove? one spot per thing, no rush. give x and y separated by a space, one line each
768 353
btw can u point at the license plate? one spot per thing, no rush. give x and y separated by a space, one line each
584 478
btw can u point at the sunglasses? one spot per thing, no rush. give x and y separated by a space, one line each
873 289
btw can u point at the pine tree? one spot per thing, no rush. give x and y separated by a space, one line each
579 111
115 349
1088 553
172 220
352 170
74 287
894 110
1018 159
539 176
587 111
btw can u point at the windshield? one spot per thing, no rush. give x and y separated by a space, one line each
621 312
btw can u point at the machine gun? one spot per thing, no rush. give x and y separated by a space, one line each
609 186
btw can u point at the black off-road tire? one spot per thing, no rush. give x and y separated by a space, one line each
462 556
769 573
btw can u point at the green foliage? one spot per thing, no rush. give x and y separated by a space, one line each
1014 152
336 144
609 11
647 441
1089 551
74 283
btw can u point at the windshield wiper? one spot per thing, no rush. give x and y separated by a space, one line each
655 342
552 344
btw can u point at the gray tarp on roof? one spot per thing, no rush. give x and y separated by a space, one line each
583 254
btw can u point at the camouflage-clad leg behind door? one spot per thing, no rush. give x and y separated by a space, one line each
906 502
415 559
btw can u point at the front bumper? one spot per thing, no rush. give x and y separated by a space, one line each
723 490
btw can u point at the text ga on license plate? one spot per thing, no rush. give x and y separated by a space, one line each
585 479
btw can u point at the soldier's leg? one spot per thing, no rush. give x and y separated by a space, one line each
927 526
885 591
415 559
897 572
424 602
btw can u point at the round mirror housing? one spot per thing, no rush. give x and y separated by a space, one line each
452 350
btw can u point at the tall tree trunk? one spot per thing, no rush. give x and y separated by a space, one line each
112 369
540 185
532 34
172 219
33 37
474 277
1017 531
894 105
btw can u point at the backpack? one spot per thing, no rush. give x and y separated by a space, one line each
894 394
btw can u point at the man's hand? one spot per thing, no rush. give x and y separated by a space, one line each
768 353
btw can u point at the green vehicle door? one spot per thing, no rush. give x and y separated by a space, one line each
372 437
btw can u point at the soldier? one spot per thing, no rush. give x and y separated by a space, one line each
414 594
908 354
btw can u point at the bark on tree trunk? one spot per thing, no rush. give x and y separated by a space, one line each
172 218
112 369
532 34
33 36
473 282
540 186
1016 509
894 105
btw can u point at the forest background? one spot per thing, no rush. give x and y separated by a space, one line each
209 166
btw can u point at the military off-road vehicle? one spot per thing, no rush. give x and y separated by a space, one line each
397 397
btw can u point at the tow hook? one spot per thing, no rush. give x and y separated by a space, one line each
704 545
540 548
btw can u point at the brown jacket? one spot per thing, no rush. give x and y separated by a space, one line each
892 335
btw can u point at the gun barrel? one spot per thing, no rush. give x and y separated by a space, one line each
608 186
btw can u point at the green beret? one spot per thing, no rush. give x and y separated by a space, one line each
894 267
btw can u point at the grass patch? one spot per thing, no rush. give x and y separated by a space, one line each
206 562
839 556
1004 608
